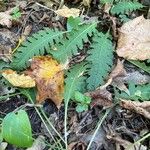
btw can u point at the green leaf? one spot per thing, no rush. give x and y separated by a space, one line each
73 42
73 23
1 137
125 6
37 44
137 92
75 81
100 59
81 98
141 65
81 107
16 129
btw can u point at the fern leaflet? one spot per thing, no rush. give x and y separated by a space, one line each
75 80
137 92
35 45
74 40
101 60
124 6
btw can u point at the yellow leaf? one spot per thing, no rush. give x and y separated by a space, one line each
49 78
18 80
68 12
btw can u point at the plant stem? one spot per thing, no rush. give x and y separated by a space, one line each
98 127
140 140
51 124
29 97
7 96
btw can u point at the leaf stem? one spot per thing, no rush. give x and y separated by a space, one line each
98 127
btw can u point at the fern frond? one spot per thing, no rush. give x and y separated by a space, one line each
75 80
37 44
124 6
137 92
74 40
101 60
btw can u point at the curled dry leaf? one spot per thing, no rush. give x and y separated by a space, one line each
117 76
49 78
18 80
100 97
68 12
134 39
142 108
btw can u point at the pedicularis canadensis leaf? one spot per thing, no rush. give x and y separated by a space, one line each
49 78
101 59
16 129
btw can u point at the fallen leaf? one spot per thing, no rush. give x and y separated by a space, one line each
76 145
100 97
125 144
6 19
18 80
49 78
38 144
142 108
68 12
117 76
133 42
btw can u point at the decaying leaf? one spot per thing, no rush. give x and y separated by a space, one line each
133 42
101 97
38 144
125 144
18 80
68 12
76 145
117 76
142 108
49 78
5 19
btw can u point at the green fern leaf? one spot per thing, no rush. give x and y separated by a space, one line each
75 80
123 7
74 40
141 65
137 92
101 60
37 44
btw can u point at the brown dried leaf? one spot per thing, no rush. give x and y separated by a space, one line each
133 42
100 97
49 78
5 19
68 12
142 108
76 145
126 144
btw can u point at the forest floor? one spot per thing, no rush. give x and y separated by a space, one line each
109 122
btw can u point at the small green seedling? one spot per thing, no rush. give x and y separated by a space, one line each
82 101
16 14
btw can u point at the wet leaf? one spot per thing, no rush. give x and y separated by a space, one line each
133 42
49 78
17 80
68 12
